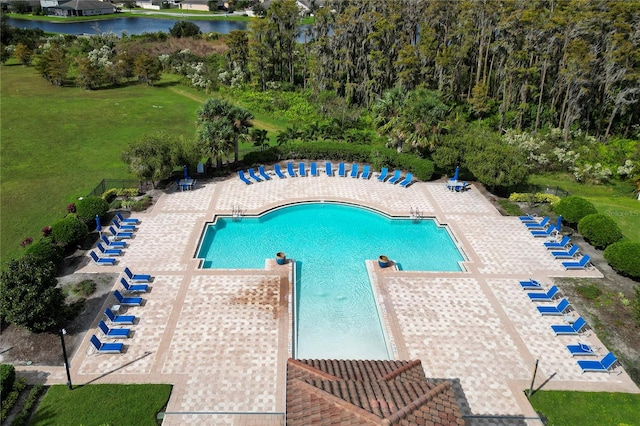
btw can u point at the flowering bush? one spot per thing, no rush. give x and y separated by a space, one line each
539 197
26 242
46 231
71 208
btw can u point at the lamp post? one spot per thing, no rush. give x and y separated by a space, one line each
64 355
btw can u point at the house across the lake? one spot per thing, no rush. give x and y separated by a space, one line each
77 7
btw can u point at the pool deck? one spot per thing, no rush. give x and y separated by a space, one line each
222 337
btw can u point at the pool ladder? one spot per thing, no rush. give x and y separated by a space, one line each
236 213
415 214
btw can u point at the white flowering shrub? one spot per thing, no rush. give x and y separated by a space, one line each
198 75
593 173
628 169
101 57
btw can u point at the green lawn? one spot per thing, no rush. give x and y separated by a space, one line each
616 200
564 408
102 405
59 143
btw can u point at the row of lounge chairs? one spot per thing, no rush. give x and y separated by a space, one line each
132 283
537 293
109 248
562 249
262 175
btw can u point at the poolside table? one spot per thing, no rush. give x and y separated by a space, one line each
185 184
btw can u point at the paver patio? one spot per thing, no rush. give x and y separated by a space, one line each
222 337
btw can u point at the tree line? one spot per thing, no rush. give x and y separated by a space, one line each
534 63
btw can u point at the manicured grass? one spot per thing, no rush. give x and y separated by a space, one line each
102 404
616 200
59 143
564 408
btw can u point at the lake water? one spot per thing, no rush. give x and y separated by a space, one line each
130 25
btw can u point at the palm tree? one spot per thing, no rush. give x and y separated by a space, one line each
219 126
259 138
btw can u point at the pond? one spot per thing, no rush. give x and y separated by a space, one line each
128 25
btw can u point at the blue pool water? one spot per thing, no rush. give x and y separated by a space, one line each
336 313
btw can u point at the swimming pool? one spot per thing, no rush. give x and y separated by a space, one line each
336 314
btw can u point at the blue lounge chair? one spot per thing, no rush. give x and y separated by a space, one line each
329 168
543 232
383 174
110 261
574 328
569 254
366 172
120 319
243 177
290 170
109 243
314 169
544 297
395 178
114 333
538 225
407 180
581 264
263 173
581 349
254 175
106 348
531 285
136 277
598 366
127 301
126 219
120 227
554 310
302 172
354 170
119 235
341 170
276 168
557 245
528 218
108 251
133 288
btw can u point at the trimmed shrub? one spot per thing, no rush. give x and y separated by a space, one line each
46 250
7 378
69 230
599 229
89 207
624 257
539 197
574 208
11 398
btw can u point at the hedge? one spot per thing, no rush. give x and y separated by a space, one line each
69 230
624 257
377 156
538 197
7 378
574 208
599 229
46 250
89 207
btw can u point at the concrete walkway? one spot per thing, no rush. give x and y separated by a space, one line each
222 337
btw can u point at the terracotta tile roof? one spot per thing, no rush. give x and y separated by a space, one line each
349 392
